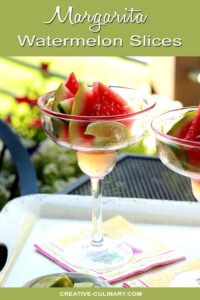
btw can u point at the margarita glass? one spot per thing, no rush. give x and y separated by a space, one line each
178 154
96 158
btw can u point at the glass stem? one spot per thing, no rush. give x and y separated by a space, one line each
97 234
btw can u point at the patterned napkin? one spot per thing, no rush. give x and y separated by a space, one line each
187 275
146 252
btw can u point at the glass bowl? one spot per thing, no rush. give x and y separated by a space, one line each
75 278
180 155
96 155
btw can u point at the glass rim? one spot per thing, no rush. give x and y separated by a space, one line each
97 118
170 137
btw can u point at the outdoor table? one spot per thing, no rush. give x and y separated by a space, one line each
140 189
138 176
33 218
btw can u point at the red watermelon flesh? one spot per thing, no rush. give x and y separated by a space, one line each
64 133
193 133
72 83
184 130
82 106
62 93
107 102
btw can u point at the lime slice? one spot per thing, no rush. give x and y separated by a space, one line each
63 281
84 285
108 133
53 281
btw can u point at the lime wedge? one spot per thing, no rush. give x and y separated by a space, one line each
84 285
53 281
108 133
63 281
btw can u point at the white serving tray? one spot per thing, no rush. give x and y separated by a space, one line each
29 219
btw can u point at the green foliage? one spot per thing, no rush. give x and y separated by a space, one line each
7 179
55 166
145 146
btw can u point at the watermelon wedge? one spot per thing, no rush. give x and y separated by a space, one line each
81 107
60 127
193 133
60 130
62 93
107 102
65 106
64 133
72 83
181 128
188 128
72 98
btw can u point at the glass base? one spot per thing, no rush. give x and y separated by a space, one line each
99 258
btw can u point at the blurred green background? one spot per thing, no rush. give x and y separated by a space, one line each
23 79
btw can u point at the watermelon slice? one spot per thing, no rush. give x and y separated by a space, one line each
60 130
65 106
188 128
60 127
63 133
107 102
81 107
62 93
82 101
99 101
65 91
72 83
180 129
193 133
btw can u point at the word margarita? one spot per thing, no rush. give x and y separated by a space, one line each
97 20
98 41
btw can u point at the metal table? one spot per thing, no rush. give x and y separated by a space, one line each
138 176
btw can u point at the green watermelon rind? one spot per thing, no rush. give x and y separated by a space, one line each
177 127
60 95
177 154
65 106
59 127
77 109
180 154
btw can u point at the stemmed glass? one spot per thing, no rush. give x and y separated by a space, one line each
180 155
97 160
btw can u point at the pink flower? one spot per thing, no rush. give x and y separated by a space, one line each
26 99
45 67
8 120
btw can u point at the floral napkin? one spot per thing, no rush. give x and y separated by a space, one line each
187 275
146 252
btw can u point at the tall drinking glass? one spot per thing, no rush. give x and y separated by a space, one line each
180 155
96 154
